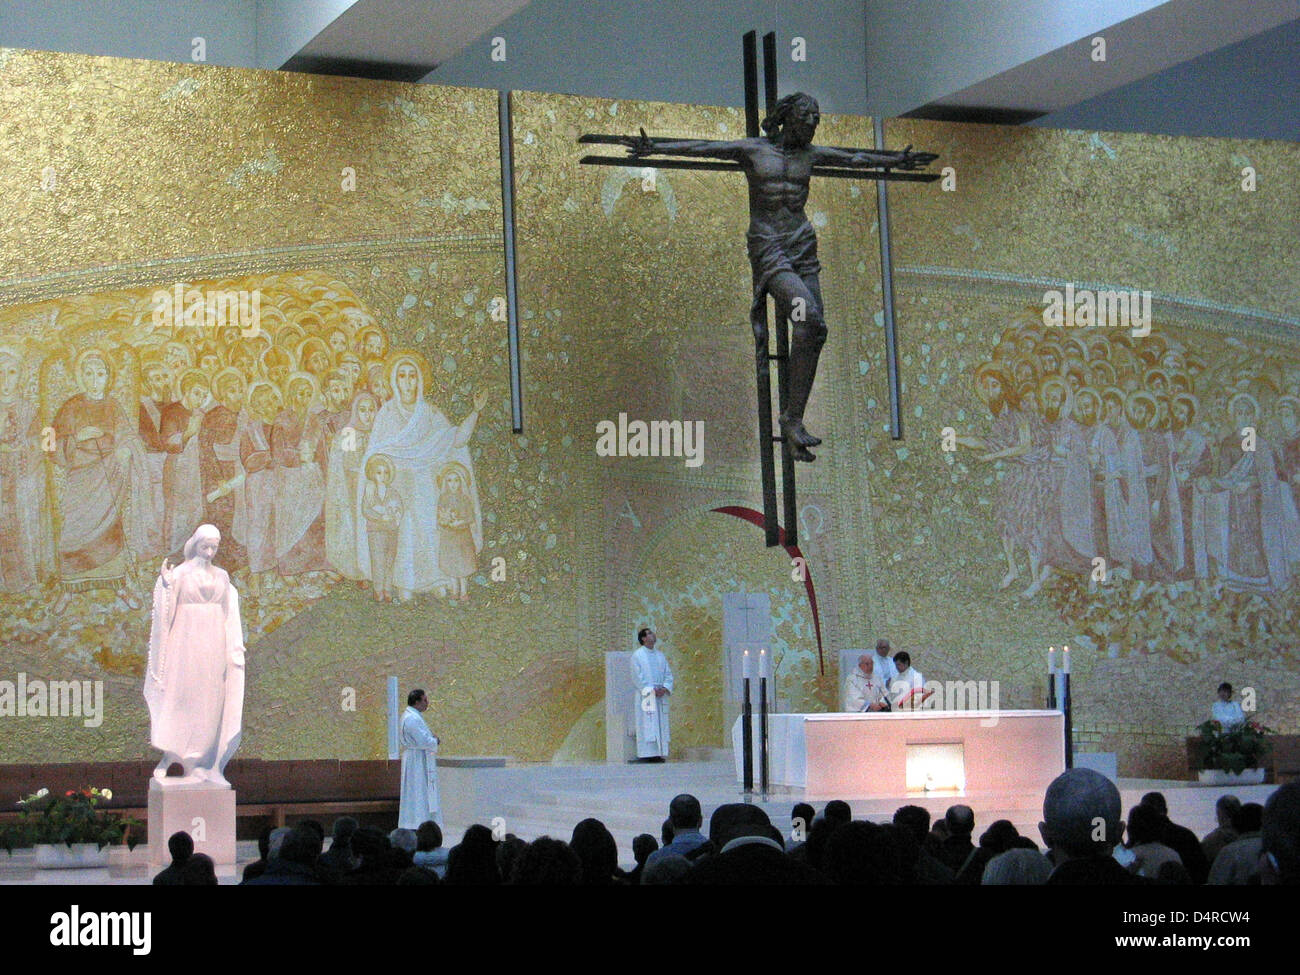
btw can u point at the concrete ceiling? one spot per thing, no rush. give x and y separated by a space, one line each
1146 44
1185 67
399 40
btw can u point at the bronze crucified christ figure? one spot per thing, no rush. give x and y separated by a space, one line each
782 242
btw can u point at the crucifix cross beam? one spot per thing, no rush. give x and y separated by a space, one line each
879 170
778 158
873 171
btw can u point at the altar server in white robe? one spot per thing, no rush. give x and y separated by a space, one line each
419 801
907 690
883 662
654 686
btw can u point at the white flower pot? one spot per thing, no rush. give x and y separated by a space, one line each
1217 776
79 856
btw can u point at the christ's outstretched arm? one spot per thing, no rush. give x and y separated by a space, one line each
899 159
642 145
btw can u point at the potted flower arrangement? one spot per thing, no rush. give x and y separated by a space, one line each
1233 756
69 830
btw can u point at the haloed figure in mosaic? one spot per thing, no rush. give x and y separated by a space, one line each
26 552
1117 463
1020 437
459 532
782 242
105 507
419 443
1252 530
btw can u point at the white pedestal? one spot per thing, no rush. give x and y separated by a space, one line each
205 811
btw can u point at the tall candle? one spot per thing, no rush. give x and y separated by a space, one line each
1051 660
746 672
763 670
1066 657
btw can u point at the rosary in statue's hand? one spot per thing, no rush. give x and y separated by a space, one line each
166 572
641 145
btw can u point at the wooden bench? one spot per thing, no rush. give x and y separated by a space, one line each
280 812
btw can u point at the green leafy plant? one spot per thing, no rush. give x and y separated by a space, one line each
1239 747
74 817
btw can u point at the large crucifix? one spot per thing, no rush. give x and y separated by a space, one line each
778 165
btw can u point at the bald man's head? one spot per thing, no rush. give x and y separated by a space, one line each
1081 814
1281 833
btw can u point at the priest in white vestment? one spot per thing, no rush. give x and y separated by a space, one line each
654 686
863 690
419 801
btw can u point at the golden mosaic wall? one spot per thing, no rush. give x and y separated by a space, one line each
347 204
1032 210
120 177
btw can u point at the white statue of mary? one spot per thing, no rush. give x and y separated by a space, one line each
194 684
418 440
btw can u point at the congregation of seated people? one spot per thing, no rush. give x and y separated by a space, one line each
1085 840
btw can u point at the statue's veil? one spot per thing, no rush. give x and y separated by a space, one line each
200 533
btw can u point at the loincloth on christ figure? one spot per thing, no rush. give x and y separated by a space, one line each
770 254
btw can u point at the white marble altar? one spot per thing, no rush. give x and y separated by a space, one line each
830 755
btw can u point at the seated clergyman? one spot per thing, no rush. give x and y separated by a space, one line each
864 690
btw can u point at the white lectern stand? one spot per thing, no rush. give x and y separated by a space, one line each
620 707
